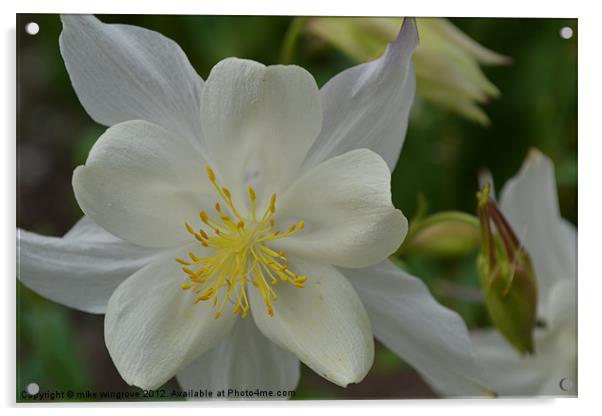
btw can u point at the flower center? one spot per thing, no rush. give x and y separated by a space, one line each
239 254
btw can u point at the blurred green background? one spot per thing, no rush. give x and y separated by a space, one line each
60 348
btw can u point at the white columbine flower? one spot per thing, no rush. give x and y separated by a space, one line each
530 203
237 225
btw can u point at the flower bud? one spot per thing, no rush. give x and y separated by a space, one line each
507 277
447 62
442 235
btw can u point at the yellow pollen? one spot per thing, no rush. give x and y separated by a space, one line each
238 255
483 195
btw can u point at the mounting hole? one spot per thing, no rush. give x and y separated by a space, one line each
32 28
566 384
566 32
33 389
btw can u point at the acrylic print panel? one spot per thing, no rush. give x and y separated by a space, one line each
249 207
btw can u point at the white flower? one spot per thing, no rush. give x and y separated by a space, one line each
276 153
530 203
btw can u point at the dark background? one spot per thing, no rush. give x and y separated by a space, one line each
60 348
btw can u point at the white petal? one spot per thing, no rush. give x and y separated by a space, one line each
530 202
570 241
259 121
245 360
346 205
152 327
369 105
562 305
80 270
122 72
141 184
406 318
324 324
87 230
509 374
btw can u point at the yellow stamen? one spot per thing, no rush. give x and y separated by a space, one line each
252 198
239 254
210 173
204 217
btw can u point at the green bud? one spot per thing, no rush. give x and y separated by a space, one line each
442 235
507 277
447 61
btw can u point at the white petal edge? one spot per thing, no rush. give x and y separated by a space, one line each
407 319
80 270
529 200
152 328
346 205
369 105
141 184
259 122
123 72
324 324
245 360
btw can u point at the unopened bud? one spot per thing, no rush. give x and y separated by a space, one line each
507 277
446 234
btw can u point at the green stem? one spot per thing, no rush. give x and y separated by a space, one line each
290 40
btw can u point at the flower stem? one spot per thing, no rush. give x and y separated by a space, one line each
290 40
